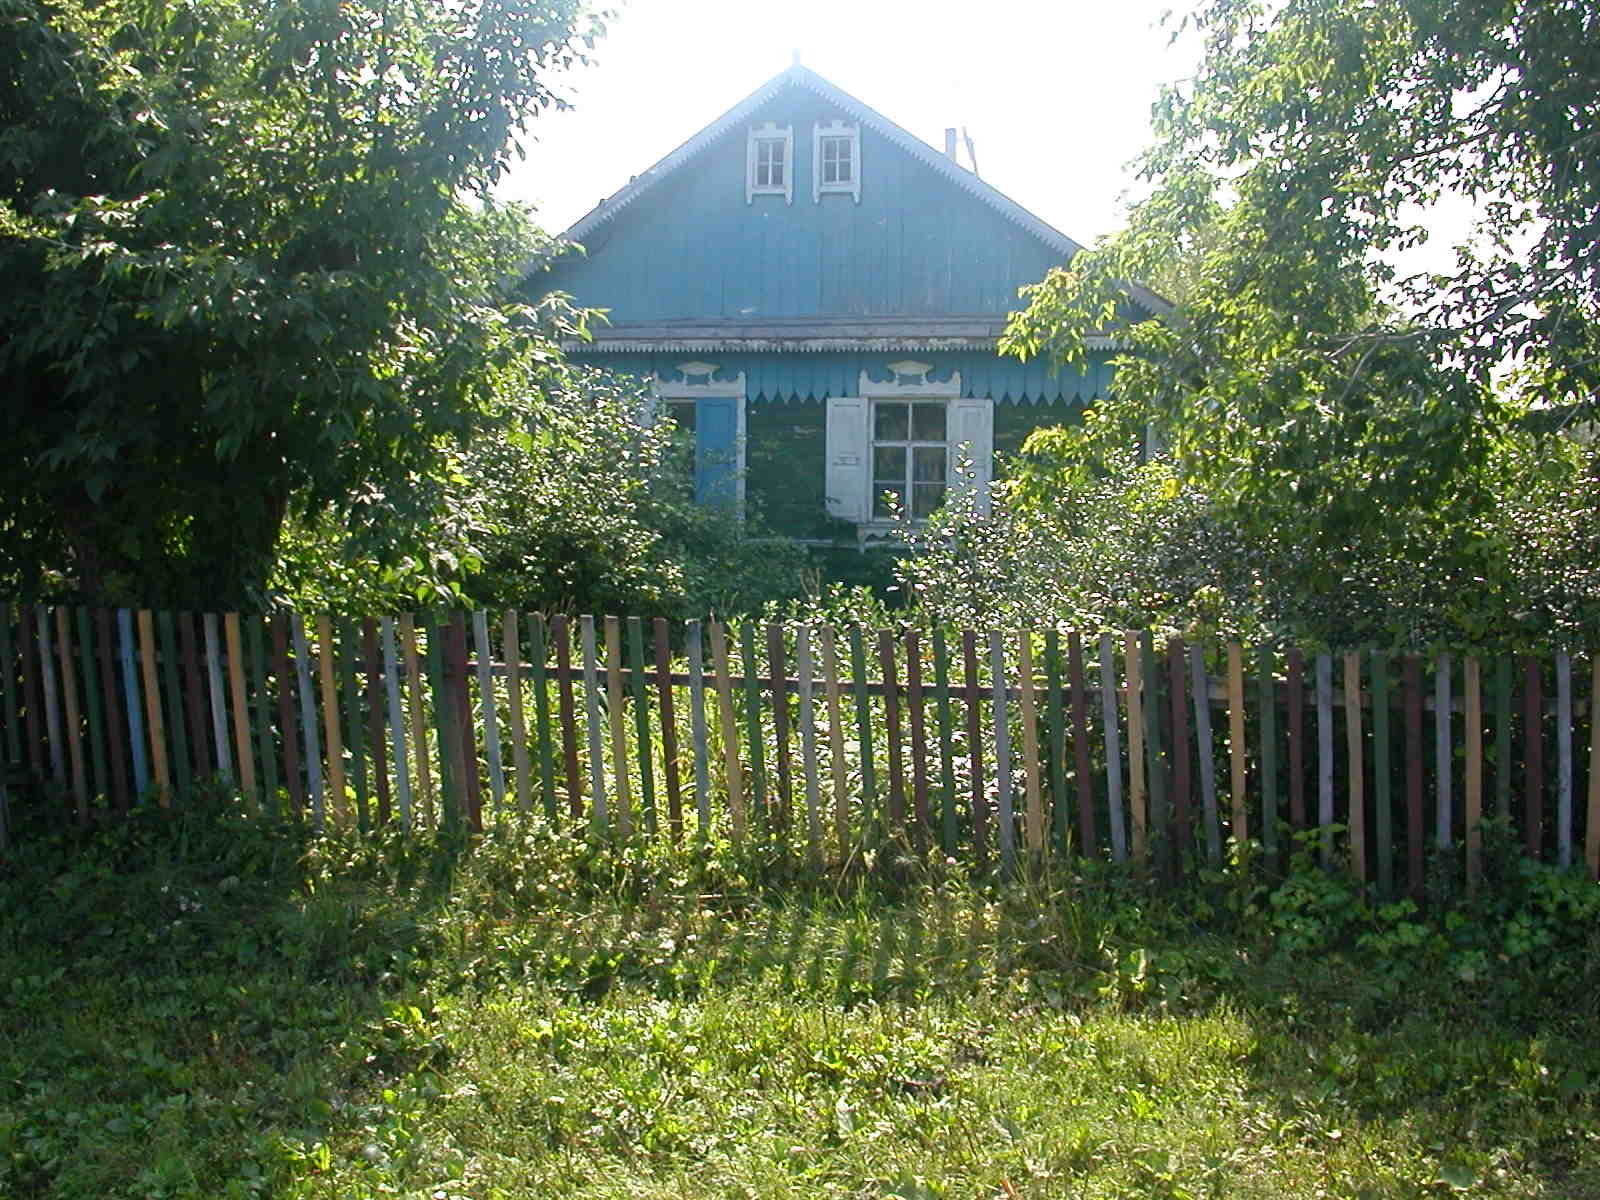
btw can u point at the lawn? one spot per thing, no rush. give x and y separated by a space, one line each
207 1007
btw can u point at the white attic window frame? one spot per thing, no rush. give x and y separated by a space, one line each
770 133
848 132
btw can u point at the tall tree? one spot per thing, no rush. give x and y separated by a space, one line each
251 261
1303 382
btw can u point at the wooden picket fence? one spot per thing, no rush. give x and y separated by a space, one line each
998 746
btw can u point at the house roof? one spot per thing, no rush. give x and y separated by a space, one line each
798 76
804 334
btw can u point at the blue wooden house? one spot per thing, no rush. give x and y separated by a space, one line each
817 294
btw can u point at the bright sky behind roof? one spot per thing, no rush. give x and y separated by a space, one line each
1055 94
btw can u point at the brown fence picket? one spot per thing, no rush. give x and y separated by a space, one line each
669 727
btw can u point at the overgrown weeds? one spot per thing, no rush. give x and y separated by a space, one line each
207 1005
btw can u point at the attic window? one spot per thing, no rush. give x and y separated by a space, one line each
836 156
769 165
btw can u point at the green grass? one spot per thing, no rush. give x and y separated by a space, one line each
208 1008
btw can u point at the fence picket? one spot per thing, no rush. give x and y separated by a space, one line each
560 629
808 745
1088 839
1207 761
1532 755
177 726
1033 827
1414 753
1268 705
118 741
780 803
980 803
1237 763
1443 798
1133 669
375 717
1056 735
1502 737
94 711
511 651
354 726
1108 717
1004 817
888 661
1591 843
332 735
8 688
836 756
538 659
256 635
732 770
32 688
1563 759
752 721
397 729
1324 667
416 697
1382 791
598 814
619 740
286 722
446 743
661 635
947 760
1472 700
69 700
52 698
1357 774
1182 778
858 672
920 818
218 696
152 700
641 725
490 708
1159 828
241 710
1296 727
695 648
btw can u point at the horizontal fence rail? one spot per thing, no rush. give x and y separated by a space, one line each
991 746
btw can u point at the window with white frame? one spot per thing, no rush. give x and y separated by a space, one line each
836 159
910 457
905 436
769 165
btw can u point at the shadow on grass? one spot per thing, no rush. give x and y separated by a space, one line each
197 1003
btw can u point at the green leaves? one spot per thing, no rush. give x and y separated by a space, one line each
253 265
1320 397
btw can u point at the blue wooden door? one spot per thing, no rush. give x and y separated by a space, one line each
716 450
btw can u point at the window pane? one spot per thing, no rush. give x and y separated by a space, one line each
777 171
928 423
880 499
682 414
928 464
890 422
889 462
925 498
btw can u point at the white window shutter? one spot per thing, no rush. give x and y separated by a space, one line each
972 434
847 453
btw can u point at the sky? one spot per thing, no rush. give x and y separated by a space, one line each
1056 95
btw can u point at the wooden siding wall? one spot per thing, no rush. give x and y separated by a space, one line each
693 247
995 746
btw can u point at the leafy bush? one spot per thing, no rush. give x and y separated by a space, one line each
573 502
1114 542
